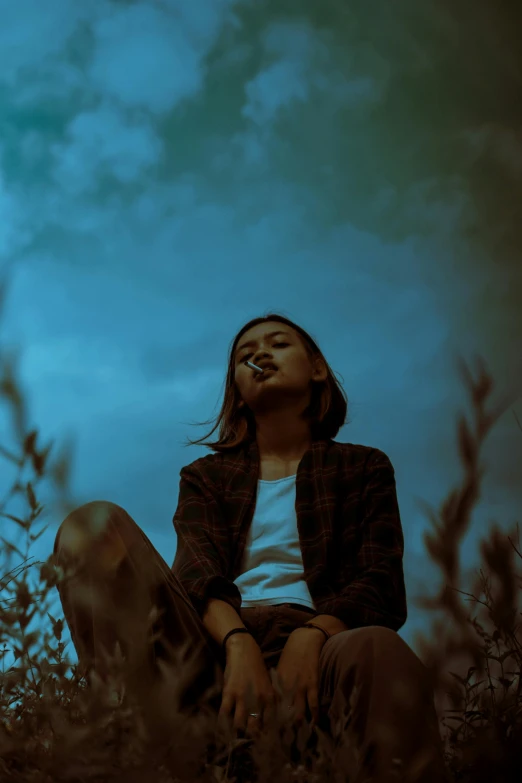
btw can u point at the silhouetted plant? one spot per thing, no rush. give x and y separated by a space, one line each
483 737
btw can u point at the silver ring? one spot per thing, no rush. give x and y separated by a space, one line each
253 714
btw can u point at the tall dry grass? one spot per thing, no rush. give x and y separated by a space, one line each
58 725
480 703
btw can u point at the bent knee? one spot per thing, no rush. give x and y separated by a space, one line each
85 525
389 645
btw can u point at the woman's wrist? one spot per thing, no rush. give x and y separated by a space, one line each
312 630
332 625
238 640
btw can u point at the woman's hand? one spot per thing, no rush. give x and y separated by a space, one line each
247 686
298 671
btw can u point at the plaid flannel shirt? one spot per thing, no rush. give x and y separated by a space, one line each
348 523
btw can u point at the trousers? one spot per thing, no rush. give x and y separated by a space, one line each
114 577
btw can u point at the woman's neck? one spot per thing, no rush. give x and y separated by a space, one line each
291 454
282 437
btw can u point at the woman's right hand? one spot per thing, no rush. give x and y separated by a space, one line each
247 685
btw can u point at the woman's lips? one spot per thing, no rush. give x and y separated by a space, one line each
265 372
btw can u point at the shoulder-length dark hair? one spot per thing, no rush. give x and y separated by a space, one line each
327 410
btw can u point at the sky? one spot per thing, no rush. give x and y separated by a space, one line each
170 169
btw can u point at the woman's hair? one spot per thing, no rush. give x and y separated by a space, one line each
327 410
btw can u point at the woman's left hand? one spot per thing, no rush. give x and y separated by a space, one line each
298 671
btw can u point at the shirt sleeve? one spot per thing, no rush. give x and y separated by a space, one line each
202 544
373 592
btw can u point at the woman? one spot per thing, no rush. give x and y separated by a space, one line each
289 556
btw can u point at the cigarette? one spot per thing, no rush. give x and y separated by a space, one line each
254 367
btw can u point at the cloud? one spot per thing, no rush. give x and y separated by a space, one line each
319 55
148 55
303 70
151 55
15 230
30 35
100 142
287 78
275 87
115 65
504 145
437 207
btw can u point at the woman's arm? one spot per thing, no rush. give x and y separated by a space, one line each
202 551
373 590
219 618
332 625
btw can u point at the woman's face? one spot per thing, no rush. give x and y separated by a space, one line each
279 345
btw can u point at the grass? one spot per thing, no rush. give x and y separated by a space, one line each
58 725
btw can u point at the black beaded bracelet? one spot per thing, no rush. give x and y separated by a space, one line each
312 625
234 630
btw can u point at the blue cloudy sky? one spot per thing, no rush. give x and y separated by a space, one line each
170 169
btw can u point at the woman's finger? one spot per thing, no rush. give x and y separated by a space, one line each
253 725
312 697
269 712
300 707
225 710
240 718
